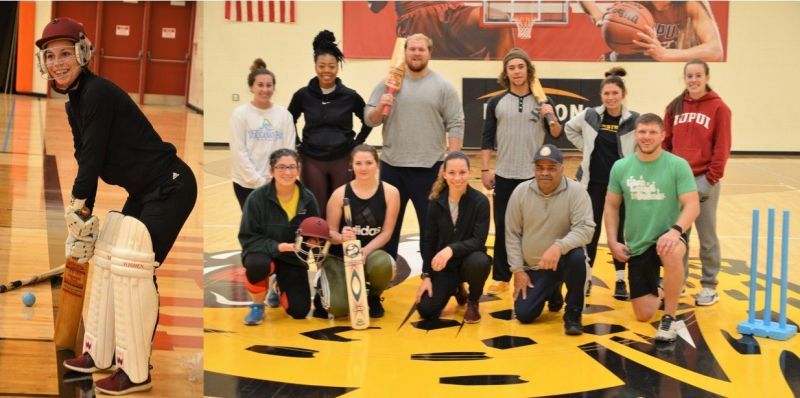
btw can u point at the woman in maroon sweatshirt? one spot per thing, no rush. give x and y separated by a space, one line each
698 129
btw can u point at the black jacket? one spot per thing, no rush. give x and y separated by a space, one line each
265 224
467 236
114 141
328 131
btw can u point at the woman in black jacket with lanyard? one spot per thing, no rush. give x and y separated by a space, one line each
327 107
115 142
454 244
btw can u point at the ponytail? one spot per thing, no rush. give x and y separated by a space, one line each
440 183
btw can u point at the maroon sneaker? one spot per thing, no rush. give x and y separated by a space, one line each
472 315
82 364
119 384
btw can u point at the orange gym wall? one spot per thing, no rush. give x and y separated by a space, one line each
25 34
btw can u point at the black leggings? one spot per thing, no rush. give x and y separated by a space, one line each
413 183
165 209
292 279
322 177
503 187
597 194
241 194
474 269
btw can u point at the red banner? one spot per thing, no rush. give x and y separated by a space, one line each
260 11
462 30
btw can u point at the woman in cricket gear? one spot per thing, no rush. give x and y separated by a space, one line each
697 127
271 217
328 107
115 142
604 134
258 128
454 243
374 205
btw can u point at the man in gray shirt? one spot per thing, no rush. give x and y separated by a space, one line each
548 223
426 121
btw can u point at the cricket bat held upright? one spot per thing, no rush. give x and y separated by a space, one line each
541 98
397 70
354 275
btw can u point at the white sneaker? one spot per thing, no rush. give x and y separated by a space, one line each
668 329
707 296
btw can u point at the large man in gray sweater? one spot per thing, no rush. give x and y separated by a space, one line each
426 121
548 223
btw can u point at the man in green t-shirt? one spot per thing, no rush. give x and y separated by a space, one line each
661 201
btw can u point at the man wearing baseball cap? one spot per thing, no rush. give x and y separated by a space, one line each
548 223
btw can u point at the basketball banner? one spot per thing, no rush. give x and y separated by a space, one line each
548 30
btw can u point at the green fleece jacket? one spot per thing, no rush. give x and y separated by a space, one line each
265 224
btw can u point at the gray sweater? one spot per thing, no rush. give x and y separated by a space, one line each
426 111
535 221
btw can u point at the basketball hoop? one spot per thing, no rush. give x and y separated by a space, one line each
524 26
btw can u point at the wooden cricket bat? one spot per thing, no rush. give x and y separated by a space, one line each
541 98
73 290
397 70
33 279
354 275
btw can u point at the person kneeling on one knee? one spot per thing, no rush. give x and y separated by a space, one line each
548 223
454 243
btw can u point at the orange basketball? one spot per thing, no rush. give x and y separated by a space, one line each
621 24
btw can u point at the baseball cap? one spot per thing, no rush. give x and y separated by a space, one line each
549 152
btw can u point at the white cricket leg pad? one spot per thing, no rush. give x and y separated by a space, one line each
324 289
98 340
135 298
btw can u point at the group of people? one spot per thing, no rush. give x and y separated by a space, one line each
651 178
646 177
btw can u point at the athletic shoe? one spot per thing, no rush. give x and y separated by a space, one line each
707 296
668 329
620 290
497 287
319 310
556 300
572 322
273 296
255 316
461 294
82 364
119 384
472 315
375 306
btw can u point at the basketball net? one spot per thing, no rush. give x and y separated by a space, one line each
524 26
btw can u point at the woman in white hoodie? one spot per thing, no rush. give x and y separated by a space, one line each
604 134
258 128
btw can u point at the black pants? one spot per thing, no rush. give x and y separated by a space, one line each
503 187
322 177
165 209
241 194
292 279
413 183
597 194
571 269
473 269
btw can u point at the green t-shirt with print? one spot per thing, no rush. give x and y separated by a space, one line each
650 191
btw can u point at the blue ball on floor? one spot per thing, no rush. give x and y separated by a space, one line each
28 299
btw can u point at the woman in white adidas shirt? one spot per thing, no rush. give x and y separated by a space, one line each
258 128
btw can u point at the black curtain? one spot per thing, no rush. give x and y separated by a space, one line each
8 26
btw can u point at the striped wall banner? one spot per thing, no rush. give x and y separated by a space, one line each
260 11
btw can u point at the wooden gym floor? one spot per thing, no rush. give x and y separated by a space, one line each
37 168
400 356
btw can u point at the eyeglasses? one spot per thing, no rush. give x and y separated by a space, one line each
283 168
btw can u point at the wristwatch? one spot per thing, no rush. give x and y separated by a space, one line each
424 275
677 228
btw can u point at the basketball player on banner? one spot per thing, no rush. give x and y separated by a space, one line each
115 142
658 30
